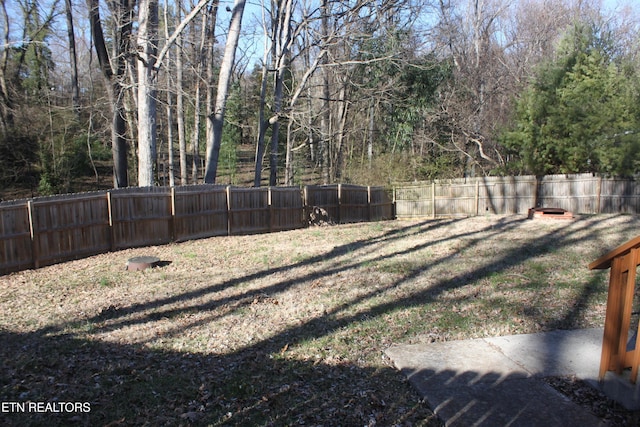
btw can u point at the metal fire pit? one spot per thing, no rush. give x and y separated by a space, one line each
142 263
549 213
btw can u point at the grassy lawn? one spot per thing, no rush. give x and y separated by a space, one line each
288 328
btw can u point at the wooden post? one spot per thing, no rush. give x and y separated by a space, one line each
477 200
305 204
35 252
369 203
172 233
612 323
229 211
394 211
433 198
270 211
339 203
598 195
110 213
623 262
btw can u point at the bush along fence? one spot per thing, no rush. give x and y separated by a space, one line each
582 193
48 230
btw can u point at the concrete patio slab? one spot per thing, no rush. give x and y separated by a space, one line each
497 381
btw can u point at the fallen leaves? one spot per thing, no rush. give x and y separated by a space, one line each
286 328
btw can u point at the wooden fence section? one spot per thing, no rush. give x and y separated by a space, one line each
48 230
351 203
354 203
381 206
616 195
582 193
248 210
140 216
15 236
286 208
576 193
326 197
68 228
200 211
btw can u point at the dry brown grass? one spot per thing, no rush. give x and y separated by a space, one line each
288 328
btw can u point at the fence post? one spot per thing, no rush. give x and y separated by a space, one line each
433 198
34 239
111 232
598 194
229 210
172 231
339 202
305 204
477 201
270 212
369 203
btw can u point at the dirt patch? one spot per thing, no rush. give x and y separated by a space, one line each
290 327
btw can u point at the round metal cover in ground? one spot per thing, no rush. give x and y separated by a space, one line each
141 262
549 213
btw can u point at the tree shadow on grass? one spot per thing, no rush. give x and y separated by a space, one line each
125 385
257 385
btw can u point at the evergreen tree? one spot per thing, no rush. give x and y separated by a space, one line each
580 113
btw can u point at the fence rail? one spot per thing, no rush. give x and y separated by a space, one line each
48 230
583 193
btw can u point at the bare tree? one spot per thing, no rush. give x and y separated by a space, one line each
282 40
6 104
182 139
73 59
263 124
201 59
224 81
169 109
113 71
210 77
325 121
147 46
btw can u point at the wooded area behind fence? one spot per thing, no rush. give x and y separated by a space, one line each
48 230
583 193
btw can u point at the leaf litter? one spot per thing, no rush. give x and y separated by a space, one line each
290 327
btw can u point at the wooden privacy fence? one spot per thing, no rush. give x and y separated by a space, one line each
48 230
351 203
583 193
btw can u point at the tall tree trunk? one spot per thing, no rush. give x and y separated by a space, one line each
343 112
209 54
201 58
310 135
147 104
282 39
182 139
169 101
6 105
263 124
73 59
113 78
288 162
302 86
170 137
224 81
325 121
371 133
